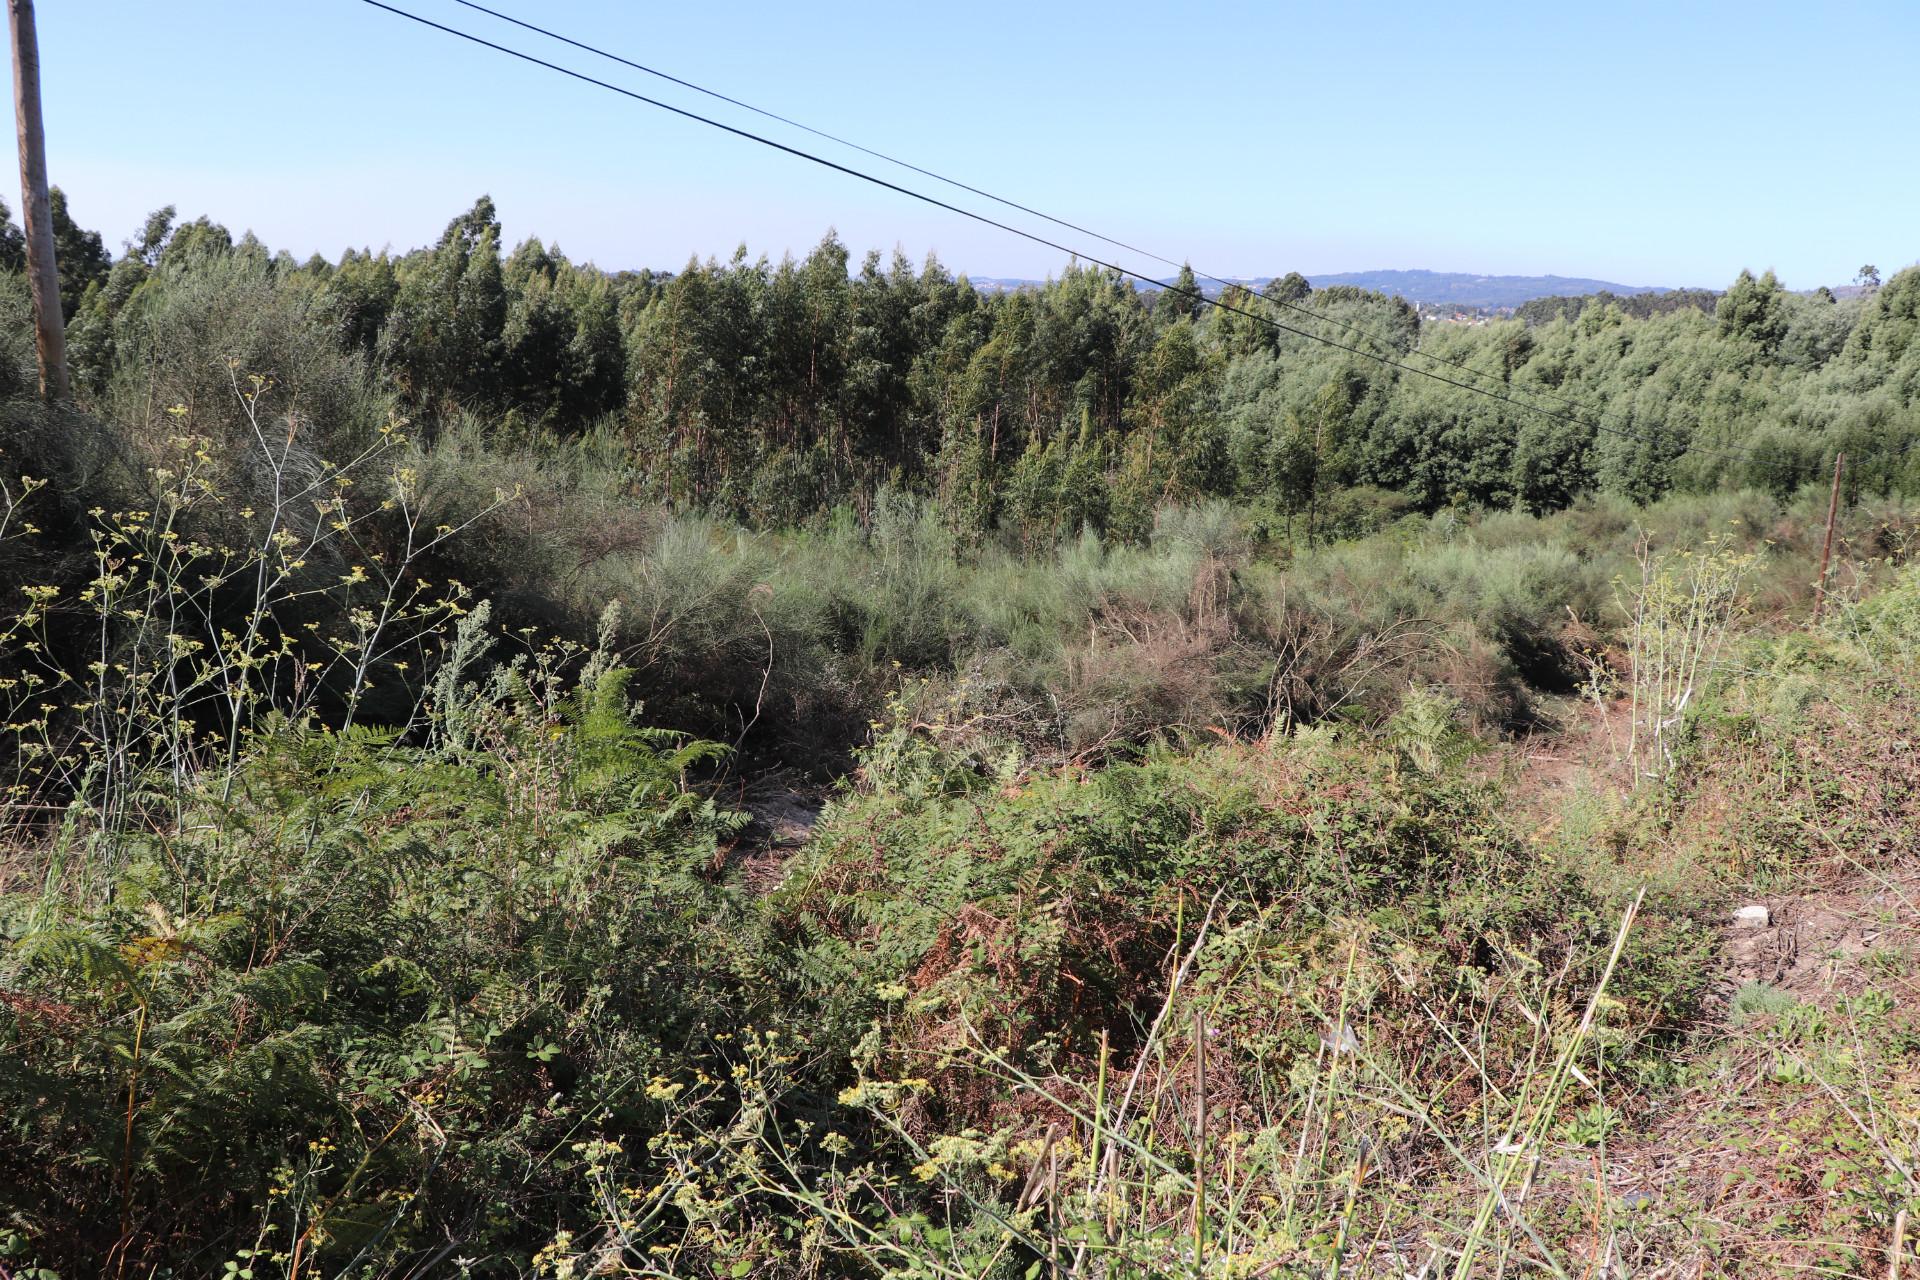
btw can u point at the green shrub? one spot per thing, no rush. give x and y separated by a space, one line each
354 1008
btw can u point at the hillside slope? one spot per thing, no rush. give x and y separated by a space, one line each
1463 289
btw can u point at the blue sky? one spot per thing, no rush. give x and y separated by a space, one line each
1641 143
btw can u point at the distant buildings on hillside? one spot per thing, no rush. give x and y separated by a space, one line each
1430 314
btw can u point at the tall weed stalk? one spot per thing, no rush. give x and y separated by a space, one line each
1680 610
207 611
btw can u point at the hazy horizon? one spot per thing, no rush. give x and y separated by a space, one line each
1512 141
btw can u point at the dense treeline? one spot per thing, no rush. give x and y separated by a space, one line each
775 392
1073 502
1635 306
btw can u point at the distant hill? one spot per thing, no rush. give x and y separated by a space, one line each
1459 289
1439 288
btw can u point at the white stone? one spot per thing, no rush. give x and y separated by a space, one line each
1340 1040
1754 917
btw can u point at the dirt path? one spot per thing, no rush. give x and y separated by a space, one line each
1785 1139
783 813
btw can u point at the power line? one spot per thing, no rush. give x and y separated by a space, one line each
1035 237
807 128
1384 339
1362 330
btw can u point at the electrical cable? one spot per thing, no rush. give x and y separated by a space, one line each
1383 339
1032 236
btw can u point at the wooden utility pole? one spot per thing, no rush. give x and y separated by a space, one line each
1826 547
36 211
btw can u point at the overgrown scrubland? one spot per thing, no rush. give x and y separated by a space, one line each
1233 889
1326 996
